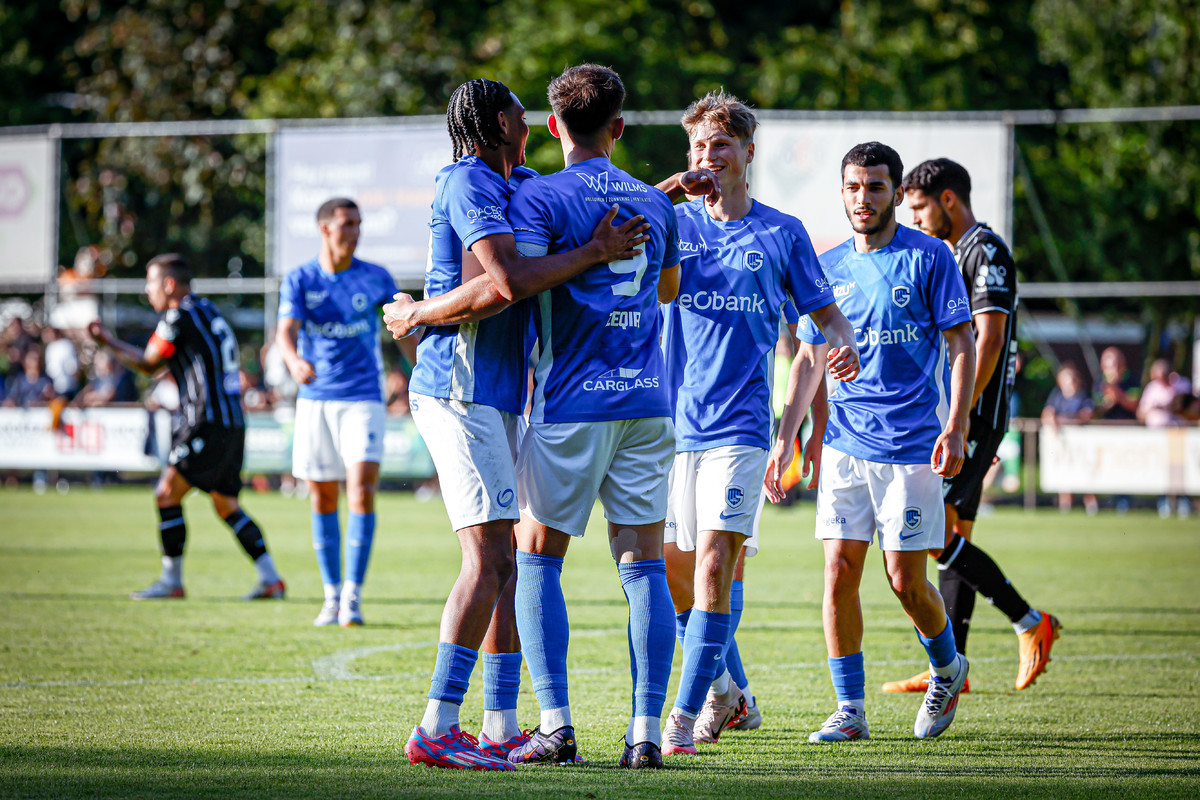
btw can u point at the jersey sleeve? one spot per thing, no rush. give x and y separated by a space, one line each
991 278
948 300
671 249
167 334
803 277
790 315
476 207
808 332
291 301
532 220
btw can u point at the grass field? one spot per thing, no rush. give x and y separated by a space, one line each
213 697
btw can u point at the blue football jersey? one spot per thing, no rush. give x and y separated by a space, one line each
339 327
478 362
598 334
736 278
899 300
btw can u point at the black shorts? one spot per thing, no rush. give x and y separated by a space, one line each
210 458
964 490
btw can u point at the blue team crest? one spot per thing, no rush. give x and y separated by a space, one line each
912 518
753 260
359 301
901 295
734 496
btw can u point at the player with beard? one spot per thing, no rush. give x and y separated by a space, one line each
939 194
892 435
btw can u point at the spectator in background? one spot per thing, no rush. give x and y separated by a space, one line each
281 387
15 340
1117 391
1159 407
255 396
62 362
31 386
108 382
1069 404
1116 398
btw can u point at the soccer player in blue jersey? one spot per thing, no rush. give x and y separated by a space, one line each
741 262
938 192
892 435
600 423
466 394
328 334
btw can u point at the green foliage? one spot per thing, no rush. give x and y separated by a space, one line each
214 697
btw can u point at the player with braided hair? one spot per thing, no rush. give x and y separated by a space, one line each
466 396
472 116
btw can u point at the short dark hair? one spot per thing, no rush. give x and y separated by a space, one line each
936 175
586 98
471 116
325 212
173 265
872 154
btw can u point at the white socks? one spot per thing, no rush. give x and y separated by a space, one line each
440 717
172 570
500 726
266 568
554 719
1027 622
644 729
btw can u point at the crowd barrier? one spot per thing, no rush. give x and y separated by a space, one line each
134 440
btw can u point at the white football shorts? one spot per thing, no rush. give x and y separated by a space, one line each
564 466
474 449
330 434
903 502
716 490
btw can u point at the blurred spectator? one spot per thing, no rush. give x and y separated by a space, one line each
1116 397
108 382
31 386
395 390
62 362
254 395
1069 404
1117 391
1159 408
15 340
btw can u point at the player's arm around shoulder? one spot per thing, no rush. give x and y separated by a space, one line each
949 451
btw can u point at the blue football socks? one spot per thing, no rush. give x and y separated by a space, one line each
327 543
360 533
651 640
941 648
849 679
730 657
706 638
542 623
681 621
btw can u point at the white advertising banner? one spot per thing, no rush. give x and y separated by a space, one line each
388 171
797 167
27 200
108 439
1120 460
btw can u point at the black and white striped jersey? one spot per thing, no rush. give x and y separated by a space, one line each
990 274
202 354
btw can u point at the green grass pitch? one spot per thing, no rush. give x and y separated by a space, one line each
213 697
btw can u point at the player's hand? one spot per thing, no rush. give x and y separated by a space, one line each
948 453
98 332
843 363
398 315
619 242
811 460
777 465
301 371
697 182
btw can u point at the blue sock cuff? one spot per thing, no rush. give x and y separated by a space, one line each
452 672
327 544
360 533
681 622
637 569
736 602
538 560
712 626
501 680
849 676
941 648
